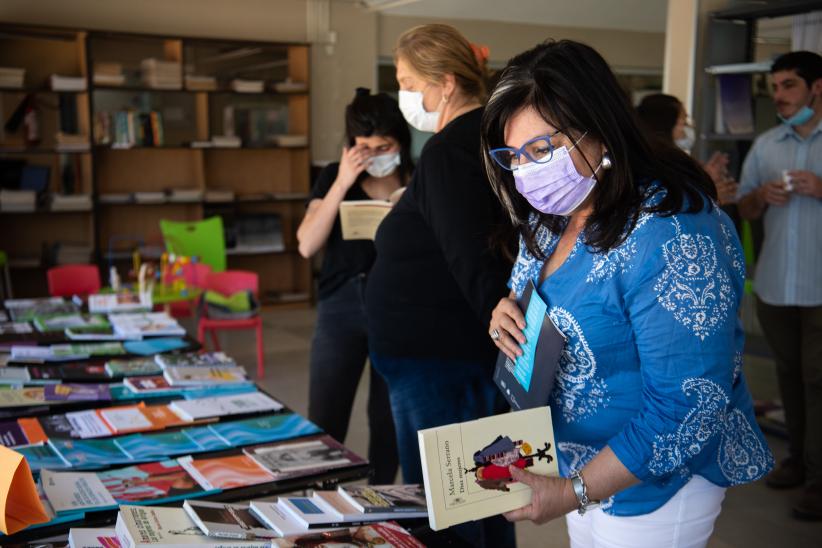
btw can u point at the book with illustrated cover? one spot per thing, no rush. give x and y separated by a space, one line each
12 435
144 385
105 303
158 482
75 491
90 453
227 472
25 310
529 381
218 406
60 322
195 359
44 374
231 521
157 445
465 465
304 457
132 367
125 419
179 375
385 499
150 324
42 455
348 516
77 392
206 438
264 429
95 333
11 396
92 538
161 527
83 372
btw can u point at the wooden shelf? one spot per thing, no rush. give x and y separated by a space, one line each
39 89
145 89
36 150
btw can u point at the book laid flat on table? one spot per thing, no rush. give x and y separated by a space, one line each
347 515
146 324
529 381
298 458
233 521
193 376
228 472
117 302
59 322
234 404
132 367
360 219
73 491
465 465
195 359
15 328
385 499
24 310
92 538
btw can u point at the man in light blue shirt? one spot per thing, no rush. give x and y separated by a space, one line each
782 183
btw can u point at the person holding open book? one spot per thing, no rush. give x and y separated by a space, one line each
644 275
375 163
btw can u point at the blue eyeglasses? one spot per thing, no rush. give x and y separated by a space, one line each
539 150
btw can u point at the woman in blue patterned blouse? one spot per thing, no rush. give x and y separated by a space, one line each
644 274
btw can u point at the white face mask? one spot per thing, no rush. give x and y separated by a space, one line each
687 143
414 112
384 164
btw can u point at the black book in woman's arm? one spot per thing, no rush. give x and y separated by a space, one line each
527 382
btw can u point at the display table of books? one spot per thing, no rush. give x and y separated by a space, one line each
119 432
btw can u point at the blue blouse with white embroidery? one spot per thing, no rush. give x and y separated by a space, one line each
653 363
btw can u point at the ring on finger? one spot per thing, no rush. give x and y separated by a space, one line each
495 334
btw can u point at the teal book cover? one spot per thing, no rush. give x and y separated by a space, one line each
264 429
153 446
205 438
97 453
42 456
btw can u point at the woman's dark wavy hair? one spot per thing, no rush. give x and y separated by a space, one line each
572 87
379 114
659 113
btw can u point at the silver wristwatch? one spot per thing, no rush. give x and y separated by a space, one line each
581 491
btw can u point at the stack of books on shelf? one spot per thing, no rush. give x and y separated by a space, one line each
70 202
71 142
217 195
18 200
196 82
109 74
161 74
247 86
226 141
184 195
115 198
289 86
12 77
149 197
67 83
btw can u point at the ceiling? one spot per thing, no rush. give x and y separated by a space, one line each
636 15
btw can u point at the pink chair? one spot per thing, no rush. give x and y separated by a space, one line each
73 279
195 275
228 283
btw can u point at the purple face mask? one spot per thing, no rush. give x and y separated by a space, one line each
555 187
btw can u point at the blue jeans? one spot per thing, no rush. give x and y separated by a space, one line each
338 354
426 393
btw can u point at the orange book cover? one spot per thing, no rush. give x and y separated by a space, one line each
162 417
33 430
126 419
226 472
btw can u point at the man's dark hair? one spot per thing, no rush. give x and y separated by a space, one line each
659 113
807 64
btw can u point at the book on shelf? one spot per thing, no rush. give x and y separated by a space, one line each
201 144
465 465
216 406
734 108
219 196
115 198
41 456
360 219
180 376
76 424
12 434
132 367
58 82
164 527
158 445
81 537
108 74
18 200
226 472
230 521
195 359
386 499
304 457
247 86
12 77
226 141
161 74
149 197
195 82
64 352
158 481
183 195
289 140
70 202
71 142
289 86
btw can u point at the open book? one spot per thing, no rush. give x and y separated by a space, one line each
361 218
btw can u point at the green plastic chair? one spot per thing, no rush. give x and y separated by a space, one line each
750 255
4 264
202 239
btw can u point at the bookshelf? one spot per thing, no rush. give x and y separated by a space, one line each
152 106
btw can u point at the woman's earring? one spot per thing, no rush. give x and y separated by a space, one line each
606 161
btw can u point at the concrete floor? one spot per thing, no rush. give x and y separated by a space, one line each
752 515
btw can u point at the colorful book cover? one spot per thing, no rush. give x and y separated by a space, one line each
62 351
21 397
161 416
42 455
158 482
141 385
83 372
33 429
92 538
75 491
206 438
264 429
132 368
226 472
195 359
12 435
77 392
125 419
465 465
45 373
374 535
60 322
193 376
90 453
25 310
380 499
304 457
94 333
159 445
88 424
150 347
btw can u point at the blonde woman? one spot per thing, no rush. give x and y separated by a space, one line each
435 280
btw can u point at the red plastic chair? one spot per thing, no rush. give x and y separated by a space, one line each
228 283
195 275
73 279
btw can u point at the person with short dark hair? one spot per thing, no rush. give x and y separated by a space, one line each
782 184
375 163
665 117
644 276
